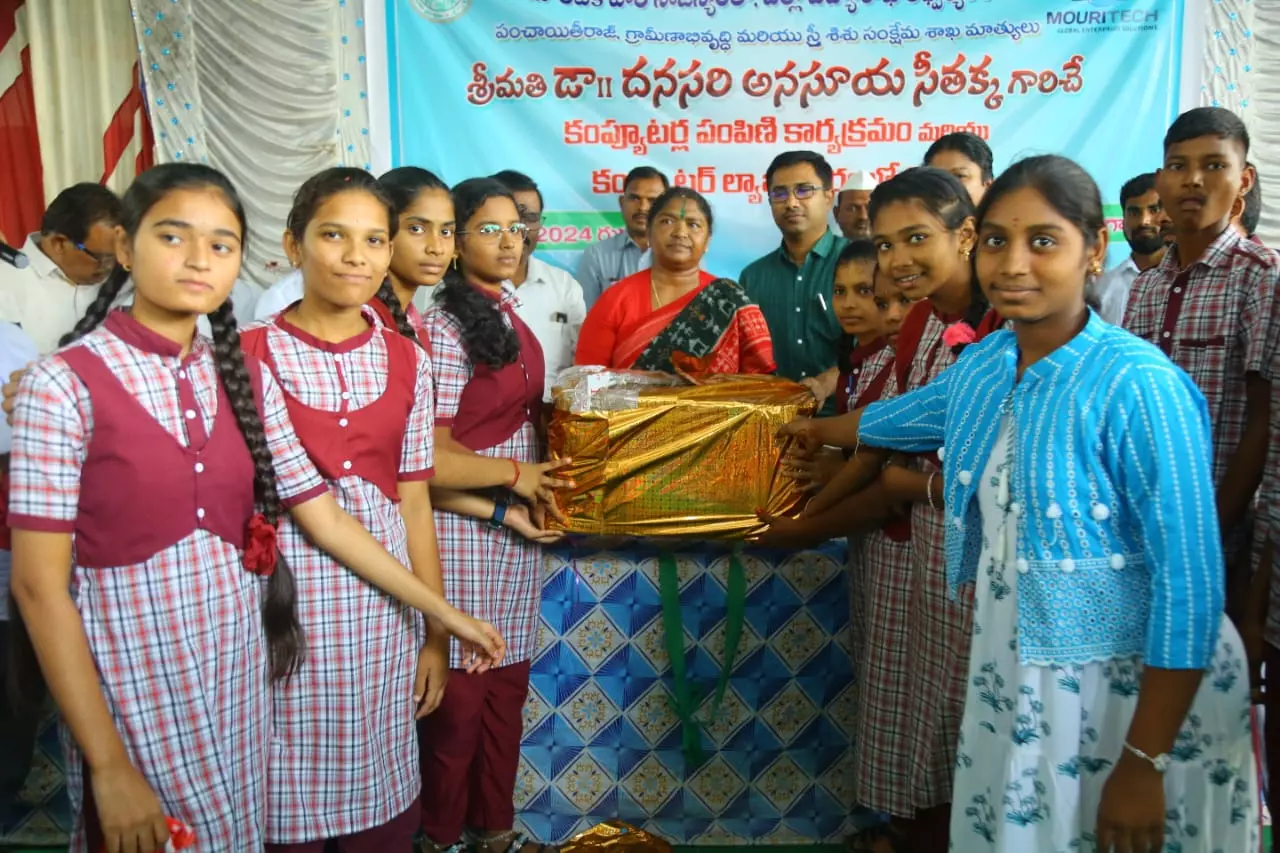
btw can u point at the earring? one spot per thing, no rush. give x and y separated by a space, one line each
455 263
1096 269
126 267
964 254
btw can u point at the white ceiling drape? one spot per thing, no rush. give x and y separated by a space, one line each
269 93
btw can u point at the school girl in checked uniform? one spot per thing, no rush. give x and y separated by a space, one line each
150 466
344 755
489 378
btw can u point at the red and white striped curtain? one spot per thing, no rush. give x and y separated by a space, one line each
72 106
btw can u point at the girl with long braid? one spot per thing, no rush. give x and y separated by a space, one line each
150 466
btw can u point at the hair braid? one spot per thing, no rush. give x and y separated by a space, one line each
99 307
286 642
387 296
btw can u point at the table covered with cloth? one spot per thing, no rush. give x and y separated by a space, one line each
764 751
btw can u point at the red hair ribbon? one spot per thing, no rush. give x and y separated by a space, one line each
959 333
260 553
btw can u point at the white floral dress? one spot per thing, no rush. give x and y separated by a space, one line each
1038 742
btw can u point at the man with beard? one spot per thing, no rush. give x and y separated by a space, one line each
1143 217
793 283
853 212
621 255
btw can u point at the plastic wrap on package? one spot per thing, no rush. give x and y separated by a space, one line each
615 835
656 456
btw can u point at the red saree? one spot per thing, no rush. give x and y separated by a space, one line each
715 324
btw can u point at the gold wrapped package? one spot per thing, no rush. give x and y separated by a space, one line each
657 456
614 835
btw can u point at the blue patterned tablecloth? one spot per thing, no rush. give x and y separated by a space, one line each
602 739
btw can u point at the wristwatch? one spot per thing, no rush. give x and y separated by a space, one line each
1160 762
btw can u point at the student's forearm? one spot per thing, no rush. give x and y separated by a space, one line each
860 512
1163 702
462 503
917 487
840 431
855 475
347 541
459 467
423 545
1243 475
61 646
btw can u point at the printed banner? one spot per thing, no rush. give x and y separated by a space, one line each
575 93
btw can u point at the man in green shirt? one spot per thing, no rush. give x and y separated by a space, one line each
792 284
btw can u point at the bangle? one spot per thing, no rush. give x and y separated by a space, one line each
516 479
928 489
1160 762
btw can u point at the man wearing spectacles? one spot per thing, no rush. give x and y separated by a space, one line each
548 299
793 283
69 258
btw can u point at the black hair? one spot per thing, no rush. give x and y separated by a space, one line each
670 194
942 194
1062 183
1252 205
486 338
402 186
795 158
859 251
970 145
78 208
285 639
855 252
1138 186
518 182
322 186
1065 186
1207 121
645 173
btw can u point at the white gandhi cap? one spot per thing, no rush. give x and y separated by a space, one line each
860 180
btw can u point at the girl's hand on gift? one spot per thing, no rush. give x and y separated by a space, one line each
785 532
538 481
805 437
521 519
815 472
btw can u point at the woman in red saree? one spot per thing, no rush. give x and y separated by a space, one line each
674 309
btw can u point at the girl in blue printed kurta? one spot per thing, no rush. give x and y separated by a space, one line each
1108 703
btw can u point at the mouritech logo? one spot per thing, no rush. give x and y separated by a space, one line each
441 11
1102 16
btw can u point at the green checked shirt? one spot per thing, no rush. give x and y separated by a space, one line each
796 303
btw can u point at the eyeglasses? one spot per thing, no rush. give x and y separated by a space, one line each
531 218
102 259
491 231
800 191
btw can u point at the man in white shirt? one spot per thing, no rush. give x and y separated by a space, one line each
548 299
68 259
614 258
17 724
1143 215
279 296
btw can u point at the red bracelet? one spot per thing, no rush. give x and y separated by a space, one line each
516 479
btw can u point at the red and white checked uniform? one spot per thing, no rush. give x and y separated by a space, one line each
938 628
177 640
879 617
344 752
494 575
1212 320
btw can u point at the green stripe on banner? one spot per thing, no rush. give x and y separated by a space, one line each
574 230
684 701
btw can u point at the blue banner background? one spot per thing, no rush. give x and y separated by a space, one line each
1113 124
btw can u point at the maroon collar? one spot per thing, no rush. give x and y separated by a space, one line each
126 327
862 353
352 343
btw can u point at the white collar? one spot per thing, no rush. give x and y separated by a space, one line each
40 263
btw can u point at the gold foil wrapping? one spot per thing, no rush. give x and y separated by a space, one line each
614 835
674 460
